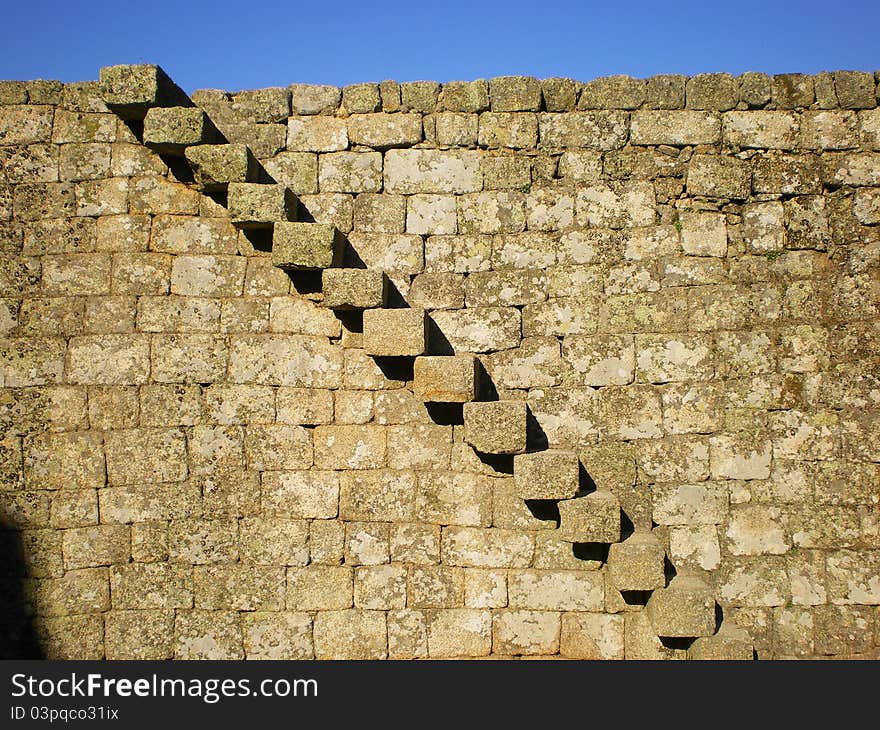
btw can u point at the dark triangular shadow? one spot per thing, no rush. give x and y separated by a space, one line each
18 638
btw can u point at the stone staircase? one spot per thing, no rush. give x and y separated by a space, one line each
174 127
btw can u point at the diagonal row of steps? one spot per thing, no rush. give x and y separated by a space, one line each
174 127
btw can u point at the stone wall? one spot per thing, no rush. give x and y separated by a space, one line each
677 276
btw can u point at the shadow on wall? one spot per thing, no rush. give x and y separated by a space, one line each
18 639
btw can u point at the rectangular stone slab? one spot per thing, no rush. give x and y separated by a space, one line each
214 166
254 205
131 90
395 332
550 474
592 518
170 130
305 246
354 288
496 427
445 378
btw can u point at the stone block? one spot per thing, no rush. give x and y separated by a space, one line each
719 176
93 546
480 329
316 134
140 635
319 588
665 91
445 379
354 288
381 587
255 205
612 92
675 128
485 588
277 635
464 96
731 643
306 246
107 360
350 634
738 456
216 165
239 586
435 586
395 332
550 474
419 96
208 635
459 632
380 213
432 215
556 590
661 359
592 518
763 226
515 93
496 427
829 130
600 130
350 172
314 99
361 98
525 633
855 89
486 548
296 170
716 91
170 130
793 91
600 360
683 609
560 94
432 171
637 563
703 233
452 129
383 131
145 456
131 91
592 636
761 129
513 130
755 89
619 205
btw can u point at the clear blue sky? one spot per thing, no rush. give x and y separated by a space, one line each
240 44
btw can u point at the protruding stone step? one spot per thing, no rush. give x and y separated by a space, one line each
354 288
214 166
445 378
170 130
297 246
731 643
131 91
395 332
636 564
550 474
684 609
594 517
254 205
496 427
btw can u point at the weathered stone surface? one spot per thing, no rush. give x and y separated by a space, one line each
486 548
592 518
717 91
208 635
637 563
432 171
612 92
525 632
675 128
306 246
350 172
556 590
314 99
761 129
256 205
449 379
216 165
731 643
395 332
550 474
718 176
354 288
298 361
592 636
601 130
703 233
464 96
496 427
316 134
383 131
685 608
131 91
480 329
170 130
350 634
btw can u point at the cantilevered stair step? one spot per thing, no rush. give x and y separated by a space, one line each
496 427
170 130
549 474
445 378
258 205
130 91
354 288
593 518
395 332
215 166
302 246
637 563
683 609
